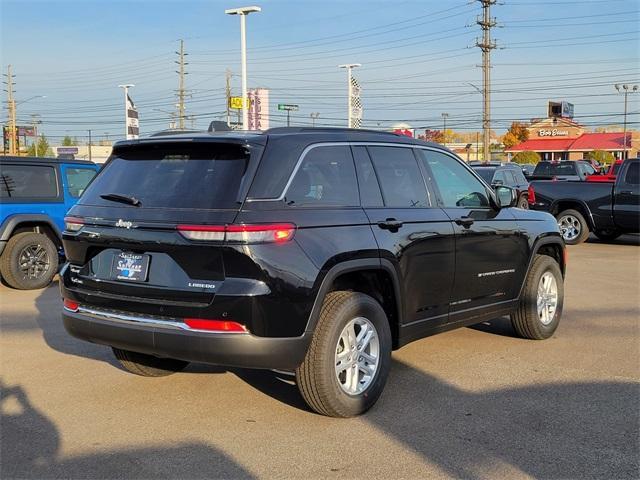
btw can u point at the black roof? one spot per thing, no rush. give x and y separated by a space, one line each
14 159
260 137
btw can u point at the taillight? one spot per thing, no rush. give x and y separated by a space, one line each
215 325
73 224
531 195
71 305
268 233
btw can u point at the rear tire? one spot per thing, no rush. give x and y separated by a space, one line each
573 227
523 203
29 261
148 365
348 361
607 235
540 308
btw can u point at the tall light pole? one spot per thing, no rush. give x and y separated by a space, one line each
35 122
126 88
444 128
243 12
625 89
349 67
314 116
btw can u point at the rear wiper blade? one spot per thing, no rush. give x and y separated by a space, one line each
118 197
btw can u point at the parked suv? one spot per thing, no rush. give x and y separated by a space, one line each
509 174
35 194
317 251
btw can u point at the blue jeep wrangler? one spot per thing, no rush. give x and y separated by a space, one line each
35 194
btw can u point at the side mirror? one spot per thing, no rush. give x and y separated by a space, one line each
507 196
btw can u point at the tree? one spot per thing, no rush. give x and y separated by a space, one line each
44 150
600 156
67 141
516 134
526 157
434 136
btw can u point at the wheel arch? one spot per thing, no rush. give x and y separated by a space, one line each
373 276
20 223
578 205
552 246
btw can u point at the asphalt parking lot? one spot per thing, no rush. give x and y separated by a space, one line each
475 402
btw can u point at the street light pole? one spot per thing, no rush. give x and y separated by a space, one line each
125 88
349 67
626 89
444 128
243 12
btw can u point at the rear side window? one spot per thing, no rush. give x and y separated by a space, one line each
326 176
28 181
205 176
486 173
400 178
370 195
78 179
632 177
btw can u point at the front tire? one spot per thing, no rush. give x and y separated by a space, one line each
347 364
148 365
540 308
29 261
573 227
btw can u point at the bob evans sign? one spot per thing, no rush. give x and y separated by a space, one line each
553 133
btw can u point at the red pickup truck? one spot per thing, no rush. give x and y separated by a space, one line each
610 176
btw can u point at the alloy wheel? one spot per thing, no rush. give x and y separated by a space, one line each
570 227
34 261
357 356
547 301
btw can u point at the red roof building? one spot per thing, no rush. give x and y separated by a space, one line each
564 139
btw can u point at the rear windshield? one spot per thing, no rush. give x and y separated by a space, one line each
204 176
486 173
555 169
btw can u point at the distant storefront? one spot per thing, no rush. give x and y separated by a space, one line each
558 138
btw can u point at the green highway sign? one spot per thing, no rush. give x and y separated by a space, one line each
287 107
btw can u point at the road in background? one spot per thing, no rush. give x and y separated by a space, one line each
476 402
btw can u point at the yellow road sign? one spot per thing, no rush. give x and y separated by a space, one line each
236 102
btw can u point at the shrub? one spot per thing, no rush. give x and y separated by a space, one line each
526 157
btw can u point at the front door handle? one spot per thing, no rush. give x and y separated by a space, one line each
390 224
466 222
625 192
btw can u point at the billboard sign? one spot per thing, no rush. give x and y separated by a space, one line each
258 109
235 103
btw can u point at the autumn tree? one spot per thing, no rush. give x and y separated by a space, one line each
516 134
526 157
600 156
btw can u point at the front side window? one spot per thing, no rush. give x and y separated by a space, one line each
458 187
325 177
78 179
400 178
28 181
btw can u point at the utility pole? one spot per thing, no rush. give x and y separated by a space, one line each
350 94
626 89
181 91
34 122
314 117
486 22
11 106
444 128
228 75
90 146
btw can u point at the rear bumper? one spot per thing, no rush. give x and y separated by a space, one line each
225 349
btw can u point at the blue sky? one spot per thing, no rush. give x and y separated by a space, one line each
417 58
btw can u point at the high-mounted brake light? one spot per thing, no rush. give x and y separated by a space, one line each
267 233
531 195
73 224
71 305
215 325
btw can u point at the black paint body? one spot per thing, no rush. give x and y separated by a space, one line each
429 270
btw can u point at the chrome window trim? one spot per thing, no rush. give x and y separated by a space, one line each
349 144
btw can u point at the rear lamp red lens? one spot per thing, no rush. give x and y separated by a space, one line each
215 325
268 233
73 224
71 305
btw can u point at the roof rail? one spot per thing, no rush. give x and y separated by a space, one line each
325 129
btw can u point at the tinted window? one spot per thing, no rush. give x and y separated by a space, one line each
632 176
458 187
28 181
370 195
78 179
520 178
486 173
326 176
399 175
501 176
204 176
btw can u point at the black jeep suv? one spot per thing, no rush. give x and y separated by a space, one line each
317 251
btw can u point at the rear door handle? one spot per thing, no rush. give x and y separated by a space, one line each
390 224
626 192
466 222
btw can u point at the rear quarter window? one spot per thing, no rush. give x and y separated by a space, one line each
28 181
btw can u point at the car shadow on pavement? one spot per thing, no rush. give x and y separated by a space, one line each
30 448
630 239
